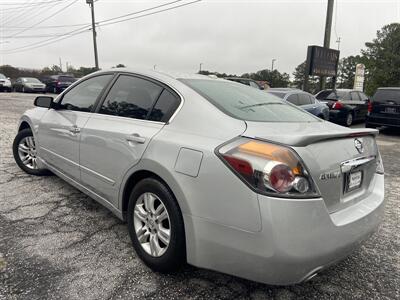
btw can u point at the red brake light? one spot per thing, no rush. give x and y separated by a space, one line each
337 105
240 165
268 168
369 106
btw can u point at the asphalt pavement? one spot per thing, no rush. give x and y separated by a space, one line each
57 243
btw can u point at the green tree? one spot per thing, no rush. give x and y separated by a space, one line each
274 78
382 58
299 77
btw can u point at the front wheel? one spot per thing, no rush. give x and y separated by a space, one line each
25 153
155 226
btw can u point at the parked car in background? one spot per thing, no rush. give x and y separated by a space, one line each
210 172
246 81
345 106
5 83
29 84
57 83
384 108
303 99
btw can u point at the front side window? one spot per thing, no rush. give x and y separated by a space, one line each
240 102
131 97
304 99
294 99
83 96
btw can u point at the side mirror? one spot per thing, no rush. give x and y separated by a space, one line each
44 101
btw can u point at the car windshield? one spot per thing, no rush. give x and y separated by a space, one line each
31 80
2 76
386 95
330 95
246 103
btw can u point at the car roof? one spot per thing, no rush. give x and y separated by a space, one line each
285 90
238 78
389 88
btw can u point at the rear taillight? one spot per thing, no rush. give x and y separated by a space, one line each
337 105
369 106
268 168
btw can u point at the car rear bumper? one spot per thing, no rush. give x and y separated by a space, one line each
383 121
298 238
337 116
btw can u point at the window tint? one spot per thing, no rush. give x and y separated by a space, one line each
83 96
66 79
294 99
354 96
240 102
304 99
332 95
165 107
387 95
131 97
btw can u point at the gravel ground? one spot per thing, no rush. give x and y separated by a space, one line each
57 243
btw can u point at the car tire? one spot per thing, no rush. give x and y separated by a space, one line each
349 119
169 257
25 138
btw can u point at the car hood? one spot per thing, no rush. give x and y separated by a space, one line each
301 134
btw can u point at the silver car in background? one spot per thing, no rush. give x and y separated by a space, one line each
210 172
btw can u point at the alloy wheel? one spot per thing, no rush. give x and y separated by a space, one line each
152 224
349 119
27 152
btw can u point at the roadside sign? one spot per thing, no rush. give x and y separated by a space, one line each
359 77
322 61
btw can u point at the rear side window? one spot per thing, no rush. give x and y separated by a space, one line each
386 95
363 97
332 95
131 97
355 96
165 107
280 95
241 102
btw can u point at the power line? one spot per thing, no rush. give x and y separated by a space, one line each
27 5
86 28
45 19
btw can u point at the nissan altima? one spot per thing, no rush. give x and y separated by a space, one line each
210 172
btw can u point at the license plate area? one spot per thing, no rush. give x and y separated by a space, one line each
353 181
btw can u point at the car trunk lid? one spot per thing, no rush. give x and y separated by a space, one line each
329 152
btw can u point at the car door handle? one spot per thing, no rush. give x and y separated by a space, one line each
74 129
136 138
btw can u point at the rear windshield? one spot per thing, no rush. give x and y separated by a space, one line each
330 95
246 103
387 96
66 79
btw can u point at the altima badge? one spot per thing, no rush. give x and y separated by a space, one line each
358 143
329 175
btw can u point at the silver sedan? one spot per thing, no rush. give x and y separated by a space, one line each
210 172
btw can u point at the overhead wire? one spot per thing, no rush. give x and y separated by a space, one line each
102 23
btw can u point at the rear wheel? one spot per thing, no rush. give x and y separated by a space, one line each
155 226
349 119
25 153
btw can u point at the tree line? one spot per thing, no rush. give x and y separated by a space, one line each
381 58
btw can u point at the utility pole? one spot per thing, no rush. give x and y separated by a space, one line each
60 64
96 59
200 67
272 66
327 37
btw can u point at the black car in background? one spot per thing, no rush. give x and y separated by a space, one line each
246 81
384 108
345 106
302 99
57 83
